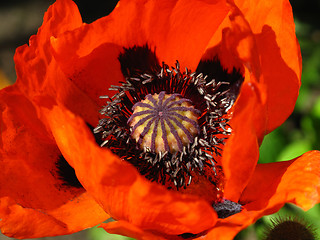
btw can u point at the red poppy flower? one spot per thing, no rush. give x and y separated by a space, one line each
68 65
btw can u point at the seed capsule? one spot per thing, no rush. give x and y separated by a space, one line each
164 122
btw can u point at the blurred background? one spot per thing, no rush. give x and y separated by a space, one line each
299 134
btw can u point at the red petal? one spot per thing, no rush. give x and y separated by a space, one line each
120 189
227 229
296 181
272 185
89 54
260 37
38 72
241 152
129 230
235 45
180 30
93 73
33 60
279 53
31 194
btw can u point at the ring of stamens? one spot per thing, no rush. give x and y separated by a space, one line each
164 122
129 129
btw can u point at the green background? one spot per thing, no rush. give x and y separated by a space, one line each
299 134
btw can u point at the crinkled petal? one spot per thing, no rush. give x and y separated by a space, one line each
89 55
279 51
120 189
33 60
39 74
33 200
163 24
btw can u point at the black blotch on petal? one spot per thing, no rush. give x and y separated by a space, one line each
188 235
138 60
67 174
226 208
214 70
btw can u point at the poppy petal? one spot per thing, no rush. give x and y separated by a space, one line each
33 60
267 47
94 73
37 70
120 189
241 153
295 181
129 230
126 229
227 229
279 53
31 192
163 25
234 44
168 24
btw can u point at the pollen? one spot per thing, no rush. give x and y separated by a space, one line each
164 123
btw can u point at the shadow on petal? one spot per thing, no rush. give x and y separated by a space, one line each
31 192
120 189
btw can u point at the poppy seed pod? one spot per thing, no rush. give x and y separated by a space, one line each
290 228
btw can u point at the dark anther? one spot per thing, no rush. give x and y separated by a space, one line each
138 60
67 174
227 208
